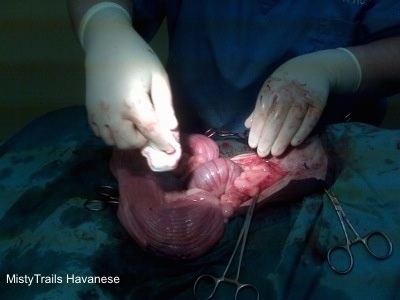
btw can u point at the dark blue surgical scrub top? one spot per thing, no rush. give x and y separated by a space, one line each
221 52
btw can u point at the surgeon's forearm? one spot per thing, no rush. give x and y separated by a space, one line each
380 64
78 8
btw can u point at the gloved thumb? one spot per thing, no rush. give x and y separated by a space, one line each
158 160
161 161
162 101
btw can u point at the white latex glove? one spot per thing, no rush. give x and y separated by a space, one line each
128 96
293 98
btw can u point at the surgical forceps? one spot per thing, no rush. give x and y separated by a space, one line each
108 195
240 136
358 239
235 281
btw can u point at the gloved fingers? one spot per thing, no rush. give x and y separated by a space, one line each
94 127
249 121
100 130
106 135
277 114
162 101
308 124
293 122
258 117
141 112
126 136
286 112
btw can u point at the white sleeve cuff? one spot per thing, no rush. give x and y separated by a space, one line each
92 11
357 68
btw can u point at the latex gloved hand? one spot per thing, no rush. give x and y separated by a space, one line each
128 96
293 98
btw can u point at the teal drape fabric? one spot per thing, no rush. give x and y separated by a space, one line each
52 166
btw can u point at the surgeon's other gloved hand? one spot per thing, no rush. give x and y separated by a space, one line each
128 96
293 98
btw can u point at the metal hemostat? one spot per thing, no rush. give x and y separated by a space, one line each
224 134
230 143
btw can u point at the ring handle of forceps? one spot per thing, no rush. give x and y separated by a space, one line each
346 249
216 281
365 242
106 192
97 204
